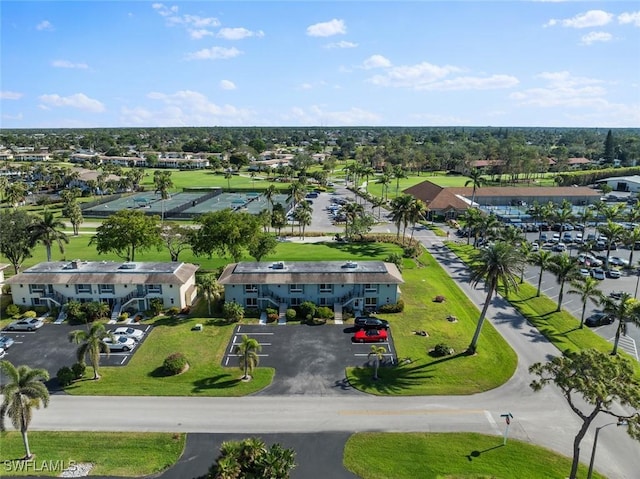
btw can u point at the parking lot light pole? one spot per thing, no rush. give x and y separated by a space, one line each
637 283
619 422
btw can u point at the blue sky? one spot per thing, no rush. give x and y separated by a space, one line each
318 63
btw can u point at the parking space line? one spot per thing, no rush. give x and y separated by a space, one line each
123 360
362 354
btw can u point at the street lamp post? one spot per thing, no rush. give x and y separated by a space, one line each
637 283
619 422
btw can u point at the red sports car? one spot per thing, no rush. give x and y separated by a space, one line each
370 336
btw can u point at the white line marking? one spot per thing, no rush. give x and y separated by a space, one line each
257 334
492 422
227 361
362 354
123 360
238 355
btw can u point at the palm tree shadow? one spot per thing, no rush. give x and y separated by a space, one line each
476 454
214 382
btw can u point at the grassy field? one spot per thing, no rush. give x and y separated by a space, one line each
121 454
451 456
561 328
494 364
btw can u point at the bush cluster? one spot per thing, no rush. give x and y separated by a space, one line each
441 350
291 314
324 312
65 376
174 363
12 310
392 308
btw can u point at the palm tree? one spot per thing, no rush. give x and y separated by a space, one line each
624 310
614 233
565 268
399 173
543 259
471 219
248 351
631 238
385 180
227 176
296 193
400 208
417 211
24 391
377 353
162 182
498 264
588 291
91 344
475 180
209 288
564 215
269 194
525 250
15 193
351 211
47 231
537 212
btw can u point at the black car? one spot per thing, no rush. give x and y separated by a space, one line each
598 319
371 322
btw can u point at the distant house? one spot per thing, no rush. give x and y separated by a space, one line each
362 285
123 286
622 183
452 201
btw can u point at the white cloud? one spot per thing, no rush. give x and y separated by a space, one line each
413 76
197 34
317 115
186 108
68 64
593 37
197 27
563 90
564 79
630 17
77 100
44 25
342 44
238 33
592 18
305 86
10 95
376 61
227 85
327 29
492 82
214 53
17 117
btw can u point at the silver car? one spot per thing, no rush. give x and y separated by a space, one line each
119 343
29 324
128 332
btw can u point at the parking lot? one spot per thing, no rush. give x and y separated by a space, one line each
307 359
49 348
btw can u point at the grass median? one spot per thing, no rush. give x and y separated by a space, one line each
451 455
122 454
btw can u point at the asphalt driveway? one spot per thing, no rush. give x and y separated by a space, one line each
307 359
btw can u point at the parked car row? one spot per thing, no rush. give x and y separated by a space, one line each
370 329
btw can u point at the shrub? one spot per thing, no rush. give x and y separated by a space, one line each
156 305
65 376
307 310
251 313
324 312
12 310
30 314
441 350
174 363
396 259
291 314
232 312
123 316
439 299
392 308
173 311
79 370
271 311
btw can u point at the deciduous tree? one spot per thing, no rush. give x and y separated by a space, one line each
127 232
15 240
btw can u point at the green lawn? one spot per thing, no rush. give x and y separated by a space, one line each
121 454
494 364
451 456
561 328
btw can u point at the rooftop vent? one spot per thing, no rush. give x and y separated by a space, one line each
278 265
351 264
128 266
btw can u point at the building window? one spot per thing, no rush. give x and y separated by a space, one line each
322 301
251 302
370 302
172 301
295 288
326 288
83 289
36 288
36 302
250 288
296 301
371 288
106 289
154 289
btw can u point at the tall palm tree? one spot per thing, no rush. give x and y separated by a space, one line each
385 180
15 193
377 354
565 268
269 195
624 310
209 287
248 351
417 211
227 176
614 233
526 251
631 238
400 208
471 219
163 183
303 217
23 392
351 211
296 193
588 290
543 259
48 230
498 264
537 212
399 173
91 345
475 180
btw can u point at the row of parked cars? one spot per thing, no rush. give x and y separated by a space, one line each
370 329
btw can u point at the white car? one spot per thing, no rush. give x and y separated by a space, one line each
25 324
597 273
614 273
133 333
119 343
617 261
585 272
